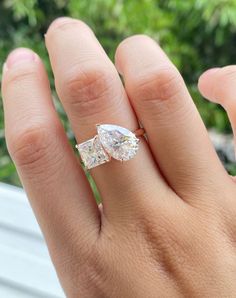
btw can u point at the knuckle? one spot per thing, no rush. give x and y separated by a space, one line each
29 147
88 90
162 84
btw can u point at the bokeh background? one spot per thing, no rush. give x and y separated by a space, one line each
195 34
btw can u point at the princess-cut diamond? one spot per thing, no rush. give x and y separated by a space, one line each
92 153
119 142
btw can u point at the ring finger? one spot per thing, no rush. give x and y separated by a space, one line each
91 92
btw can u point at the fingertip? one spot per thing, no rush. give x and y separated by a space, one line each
59 21
206 83
129 45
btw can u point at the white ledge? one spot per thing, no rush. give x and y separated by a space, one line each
25 266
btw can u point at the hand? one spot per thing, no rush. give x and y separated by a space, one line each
168 218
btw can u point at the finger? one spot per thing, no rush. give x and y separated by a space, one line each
176 133
55 184
91 92
218 85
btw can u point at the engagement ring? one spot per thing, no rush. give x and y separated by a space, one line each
111 141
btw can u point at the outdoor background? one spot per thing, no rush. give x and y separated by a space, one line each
195 34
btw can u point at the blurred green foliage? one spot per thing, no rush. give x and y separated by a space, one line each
195 34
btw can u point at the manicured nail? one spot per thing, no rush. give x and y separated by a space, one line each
19 56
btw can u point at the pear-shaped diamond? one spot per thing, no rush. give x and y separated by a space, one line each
119 142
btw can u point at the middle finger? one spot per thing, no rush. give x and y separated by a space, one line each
91 92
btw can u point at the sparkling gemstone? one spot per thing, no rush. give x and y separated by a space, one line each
92 153
119 142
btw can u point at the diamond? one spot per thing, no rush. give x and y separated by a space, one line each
119 142
92 153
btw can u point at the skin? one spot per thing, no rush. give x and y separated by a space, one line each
168 218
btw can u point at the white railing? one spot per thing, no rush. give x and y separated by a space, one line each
25 267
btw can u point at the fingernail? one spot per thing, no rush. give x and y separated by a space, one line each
19 56
4 68
211 71
59 21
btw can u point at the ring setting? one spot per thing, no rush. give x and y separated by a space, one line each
111 141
